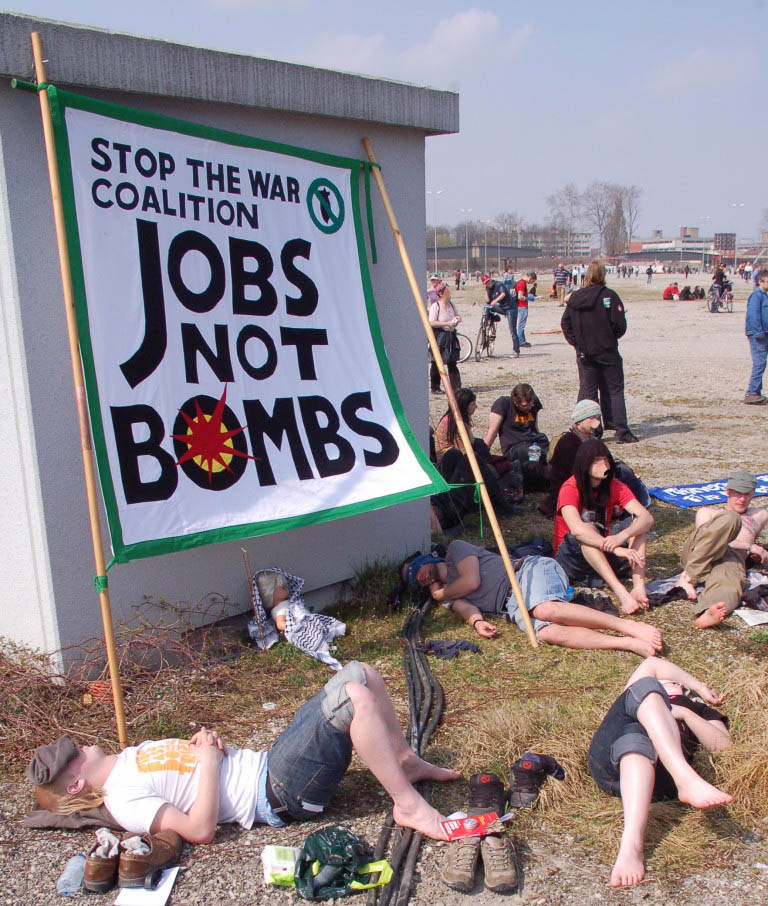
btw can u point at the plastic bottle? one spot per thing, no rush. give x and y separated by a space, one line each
570 593
72 877
534 452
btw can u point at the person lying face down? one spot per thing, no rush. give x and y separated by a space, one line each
191 786
473 583
642 752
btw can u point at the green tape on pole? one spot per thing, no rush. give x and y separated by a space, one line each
100 583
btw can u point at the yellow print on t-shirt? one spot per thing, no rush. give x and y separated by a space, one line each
166 755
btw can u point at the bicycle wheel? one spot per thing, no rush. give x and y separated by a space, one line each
465 347
713 304
481 341
491 339
729 304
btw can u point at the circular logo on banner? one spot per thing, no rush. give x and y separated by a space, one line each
326 206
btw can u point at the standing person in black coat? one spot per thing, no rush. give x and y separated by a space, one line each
592 323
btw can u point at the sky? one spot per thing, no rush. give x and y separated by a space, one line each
668 95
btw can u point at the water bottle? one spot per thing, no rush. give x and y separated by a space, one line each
534 452
72 877
570 593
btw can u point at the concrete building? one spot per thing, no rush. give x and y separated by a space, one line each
47 566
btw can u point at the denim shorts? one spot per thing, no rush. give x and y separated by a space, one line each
540 579
308 760
620 734
570 556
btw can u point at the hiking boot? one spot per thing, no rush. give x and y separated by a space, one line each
486 794
499 863
755 399
144 870
100 872
528 774
460 864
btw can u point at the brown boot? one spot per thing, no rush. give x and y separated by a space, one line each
145 870
460 864
100 873
499 863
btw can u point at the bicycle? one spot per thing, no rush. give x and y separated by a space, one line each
465 346
486 336
720 301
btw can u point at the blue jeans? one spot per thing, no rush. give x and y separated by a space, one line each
312 754
758 348
511 314
540 579
522 320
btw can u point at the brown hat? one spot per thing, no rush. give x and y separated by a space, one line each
49 761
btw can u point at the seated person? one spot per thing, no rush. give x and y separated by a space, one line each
585 545
671 292
585 424
192 786
473 582
454 466
643 749
685 294
698 292
716 551
514 419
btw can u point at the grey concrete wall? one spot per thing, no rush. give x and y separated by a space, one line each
47 597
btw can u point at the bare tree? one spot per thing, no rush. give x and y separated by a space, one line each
764 221
599 200
565 207
615 231
509 223
631 203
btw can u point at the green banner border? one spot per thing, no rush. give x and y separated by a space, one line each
124 553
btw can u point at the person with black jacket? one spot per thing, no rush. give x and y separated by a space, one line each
593 322
505 303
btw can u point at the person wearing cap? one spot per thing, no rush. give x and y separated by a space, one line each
433 294
756 329
716 551
585 424
191 786
473 583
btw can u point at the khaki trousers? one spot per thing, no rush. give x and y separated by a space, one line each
707 557
560 289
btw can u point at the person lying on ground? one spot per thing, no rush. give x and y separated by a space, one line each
586 423
717 549
472 582
191 786
586 546
514 420
643 749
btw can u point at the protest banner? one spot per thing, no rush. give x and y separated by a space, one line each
707 493
236 376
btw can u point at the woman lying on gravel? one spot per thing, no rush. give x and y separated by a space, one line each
643 749
191 787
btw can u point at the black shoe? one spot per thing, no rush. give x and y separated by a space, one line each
486 794
528 774
627 437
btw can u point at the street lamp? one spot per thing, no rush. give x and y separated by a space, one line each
466 237
703 217
736 204
485 241
434 193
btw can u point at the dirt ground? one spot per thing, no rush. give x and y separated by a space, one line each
686 372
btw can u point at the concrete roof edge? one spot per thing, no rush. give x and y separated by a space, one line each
87 57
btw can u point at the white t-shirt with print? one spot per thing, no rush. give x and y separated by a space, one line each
147 776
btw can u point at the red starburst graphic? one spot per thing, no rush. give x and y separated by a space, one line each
208 438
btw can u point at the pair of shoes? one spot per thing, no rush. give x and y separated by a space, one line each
486 793
755 399
133 869
627 437
528 775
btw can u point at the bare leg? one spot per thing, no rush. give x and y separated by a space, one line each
638 573
415 768
688 587
577 637
572 615
599 563
663 731
636 775
713 616
371 737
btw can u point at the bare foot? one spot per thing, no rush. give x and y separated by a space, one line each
688 587
629 868
422 818
416 769
713 616
645 633
638 646
629 604
697 792
640 595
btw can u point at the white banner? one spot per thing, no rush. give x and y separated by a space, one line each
237 381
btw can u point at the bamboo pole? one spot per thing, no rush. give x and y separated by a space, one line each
463 433
80 398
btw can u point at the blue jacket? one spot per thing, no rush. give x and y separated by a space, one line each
757 314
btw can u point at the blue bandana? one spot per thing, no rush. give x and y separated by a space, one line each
415 565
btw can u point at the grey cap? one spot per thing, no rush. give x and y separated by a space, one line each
585 409
742 482
49 761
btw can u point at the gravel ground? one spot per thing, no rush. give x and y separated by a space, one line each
686 373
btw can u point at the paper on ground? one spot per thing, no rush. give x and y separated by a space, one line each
752 617
137 896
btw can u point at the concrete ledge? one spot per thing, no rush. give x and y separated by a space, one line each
83 57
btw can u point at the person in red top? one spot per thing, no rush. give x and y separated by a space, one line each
671 293
586 546
524 288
